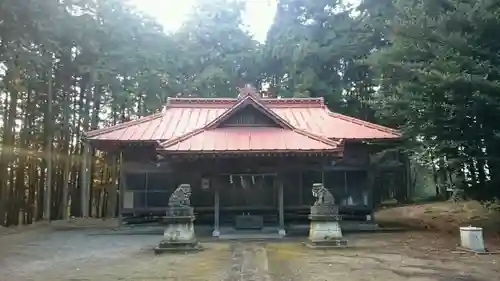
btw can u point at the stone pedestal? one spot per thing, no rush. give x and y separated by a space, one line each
179 235
325 231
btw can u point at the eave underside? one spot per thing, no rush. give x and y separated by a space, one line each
117 146
114 145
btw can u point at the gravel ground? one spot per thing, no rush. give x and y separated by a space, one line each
387 257
77 255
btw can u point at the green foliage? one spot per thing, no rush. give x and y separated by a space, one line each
68 66
430 68
439 81
217 55
316 48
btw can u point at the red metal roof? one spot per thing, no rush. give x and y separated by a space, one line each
187 116
241 139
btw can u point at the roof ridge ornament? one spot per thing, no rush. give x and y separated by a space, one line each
248 90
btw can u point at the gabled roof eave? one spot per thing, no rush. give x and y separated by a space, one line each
98 132
249 100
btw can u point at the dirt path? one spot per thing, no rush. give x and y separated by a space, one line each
249 262
76 256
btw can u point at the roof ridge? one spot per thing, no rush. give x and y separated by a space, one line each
230 101
363 122
126 124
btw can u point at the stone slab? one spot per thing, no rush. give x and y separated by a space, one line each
247 236
168 247
249 262
485 252
340 243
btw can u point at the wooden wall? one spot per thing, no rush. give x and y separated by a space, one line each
346 178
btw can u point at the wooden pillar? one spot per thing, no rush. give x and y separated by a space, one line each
113 189
370 182
281 230
121 190
346 189
408 182
85 178
301 189
216 232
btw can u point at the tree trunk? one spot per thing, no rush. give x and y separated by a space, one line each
82 121
49 134
66 158
20 189
94 125
12 81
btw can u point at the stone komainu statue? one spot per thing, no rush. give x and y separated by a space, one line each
322 195
181 196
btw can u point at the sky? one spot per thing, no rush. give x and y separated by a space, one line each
172 13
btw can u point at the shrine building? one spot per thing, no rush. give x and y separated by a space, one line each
244 156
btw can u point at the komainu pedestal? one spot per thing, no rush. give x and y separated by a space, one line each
324 228
179 235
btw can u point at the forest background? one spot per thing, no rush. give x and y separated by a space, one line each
430 68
